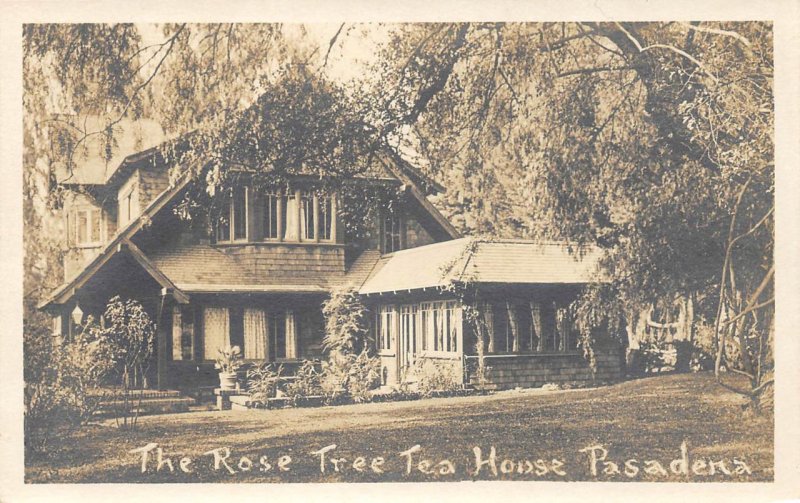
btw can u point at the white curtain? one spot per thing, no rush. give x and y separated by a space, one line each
562 326
488 319
177 334
536 316
216 334
255 334
305 209
291 335
456 325
290 232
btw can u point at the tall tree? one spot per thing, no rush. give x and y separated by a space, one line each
652 140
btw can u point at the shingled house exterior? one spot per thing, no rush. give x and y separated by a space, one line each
259 278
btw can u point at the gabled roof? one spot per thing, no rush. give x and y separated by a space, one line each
120 242
482 261
201 268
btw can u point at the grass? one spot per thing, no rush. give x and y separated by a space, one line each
644 420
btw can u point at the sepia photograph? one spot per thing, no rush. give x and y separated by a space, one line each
375 252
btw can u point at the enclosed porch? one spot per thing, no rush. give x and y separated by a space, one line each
279 328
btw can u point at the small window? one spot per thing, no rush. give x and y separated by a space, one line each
385 325
307 226
182 333
128 204
392 230
84 227
326 217
224 222
283 334
425 318
239 214
232 222
289 217
271 216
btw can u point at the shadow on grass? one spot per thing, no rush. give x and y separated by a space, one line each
643 419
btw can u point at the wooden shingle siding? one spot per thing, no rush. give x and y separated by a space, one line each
263 263
530 371
153 180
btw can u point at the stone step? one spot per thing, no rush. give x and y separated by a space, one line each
146 394
149 406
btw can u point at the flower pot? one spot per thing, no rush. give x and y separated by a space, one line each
227 380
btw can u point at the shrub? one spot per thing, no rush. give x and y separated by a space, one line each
351 375
263 381
435 376
363 376
306 381
345 322
58 392
131 333
703 352
350 368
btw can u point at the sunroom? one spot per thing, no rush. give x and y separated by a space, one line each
497 305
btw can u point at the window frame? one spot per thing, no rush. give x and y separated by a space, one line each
73 229
186 317
396 231
311 207
230 207
448 342
128 196
267 198
555 343
386 330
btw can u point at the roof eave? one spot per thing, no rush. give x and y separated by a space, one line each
62 294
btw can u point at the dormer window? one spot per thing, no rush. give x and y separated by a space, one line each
250 215
325 217
270 206
128 203
392 232
307 227
84 227
232 225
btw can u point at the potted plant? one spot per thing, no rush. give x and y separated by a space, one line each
229 361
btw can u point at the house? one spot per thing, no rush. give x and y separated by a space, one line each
258 276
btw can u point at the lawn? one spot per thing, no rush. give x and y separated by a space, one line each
639 425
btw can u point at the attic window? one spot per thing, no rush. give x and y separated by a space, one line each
84 227
129 204
392 230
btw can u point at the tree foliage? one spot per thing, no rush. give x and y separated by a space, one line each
651 140
643 138
61 380
131 335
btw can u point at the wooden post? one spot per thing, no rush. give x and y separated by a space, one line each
163 331
402 222
334 217
279 216
298 213
316 217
